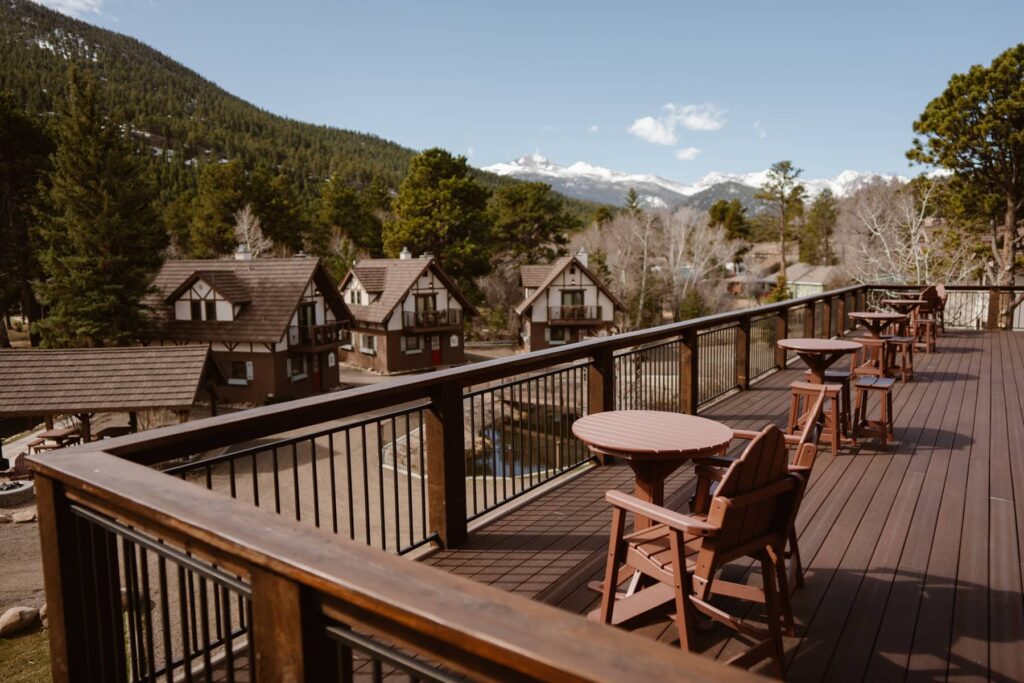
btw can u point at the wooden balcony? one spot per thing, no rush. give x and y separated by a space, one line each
313 338
578 315
432 320
272 548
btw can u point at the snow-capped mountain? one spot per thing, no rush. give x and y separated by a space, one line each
597 184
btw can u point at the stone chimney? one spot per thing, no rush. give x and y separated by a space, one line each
243 253
582 256
406 254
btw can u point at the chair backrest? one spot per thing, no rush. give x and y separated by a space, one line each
753 502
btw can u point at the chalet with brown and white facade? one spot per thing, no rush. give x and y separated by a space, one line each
407 315
274 325
563 302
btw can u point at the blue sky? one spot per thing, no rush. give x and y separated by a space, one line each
673 88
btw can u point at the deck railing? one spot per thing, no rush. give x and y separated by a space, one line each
317 336
447 317
574 313
251 551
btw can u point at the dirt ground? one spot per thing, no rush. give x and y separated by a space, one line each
21 569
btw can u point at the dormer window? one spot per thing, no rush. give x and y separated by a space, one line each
197 310
211 310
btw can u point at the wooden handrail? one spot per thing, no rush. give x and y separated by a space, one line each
470 627
192 437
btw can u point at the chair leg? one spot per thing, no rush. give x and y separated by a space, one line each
611 572
794 413
798 565
834 429
683 590
771 603
779 561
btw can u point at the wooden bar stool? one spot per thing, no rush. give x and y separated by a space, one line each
802 398
842 378
924 333
862 424
901 356
875 359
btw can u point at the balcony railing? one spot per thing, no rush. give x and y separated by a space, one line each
317 337
448 317
574 313
269 554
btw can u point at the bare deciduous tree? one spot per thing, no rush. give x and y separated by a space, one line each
893 240
249 234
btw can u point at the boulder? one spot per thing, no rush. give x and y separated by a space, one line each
42 616
17 619
24 517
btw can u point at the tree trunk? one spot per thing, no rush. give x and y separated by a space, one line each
1008 269
5 340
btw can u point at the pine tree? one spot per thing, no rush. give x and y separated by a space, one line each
784 194
815 238
633 201
530 222
223 191
24 157
342 211
101 242
441 209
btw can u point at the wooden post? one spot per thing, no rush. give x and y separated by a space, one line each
446 465
86 427
743 354
86 627
841 303
826 322
133 422
809 321
48 421
689 373
994 299
601 388
288 637
781 332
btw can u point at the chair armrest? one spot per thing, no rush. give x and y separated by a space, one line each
660 515
748 435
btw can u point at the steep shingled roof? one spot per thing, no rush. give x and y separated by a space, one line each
273 286
45 382
224 282
392 279
553 270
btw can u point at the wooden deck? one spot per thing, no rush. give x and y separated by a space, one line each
913 553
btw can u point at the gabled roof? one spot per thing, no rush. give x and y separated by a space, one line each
540 277
47 382
807 273
274 287
392 279
224 282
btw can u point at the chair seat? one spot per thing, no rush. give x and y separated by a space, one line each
880 383
653 545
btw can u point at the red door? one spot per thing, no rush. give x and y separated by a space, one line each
435 349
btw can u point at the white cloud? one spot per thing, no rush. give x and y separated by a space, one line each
687 154
75 8
762 132
662 130
469 152
594 128
655 131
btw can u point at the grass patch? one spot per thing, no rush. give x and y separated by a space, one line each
26 658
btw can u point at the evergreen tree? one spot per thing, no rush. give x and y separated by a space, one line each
24 156
530 222
343 211
784 194
975 129
223 191
633 201
277 204
101 242
816 235
440 209
731 216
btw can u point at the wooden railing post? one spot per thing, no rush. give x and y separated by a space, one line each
809 320
743 354
446 464
994 300
86 629
601 387
841 315
826 315
288 636
781 332
689 372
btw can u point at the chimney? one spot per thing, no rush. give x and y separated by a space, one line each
581 256
406 254
427 254
242 253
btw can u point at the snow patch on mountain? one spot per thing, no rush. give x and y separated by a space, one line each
595 183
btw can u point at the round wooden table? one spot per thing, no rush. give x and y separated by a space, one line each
904 306
653 443
819 354
875 323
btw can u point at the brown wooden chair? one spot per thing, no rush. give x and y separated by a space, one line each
804 451
749 516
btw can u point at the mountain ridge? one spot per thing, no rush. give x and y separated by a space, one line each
588 182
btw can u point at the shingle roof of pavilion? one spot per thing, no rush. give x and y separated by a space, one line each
58 381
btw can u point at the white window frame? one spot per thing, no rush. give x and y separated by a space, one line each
368 350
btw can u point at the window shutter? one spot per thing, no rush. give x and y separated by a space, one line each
403 344
288 367
248 370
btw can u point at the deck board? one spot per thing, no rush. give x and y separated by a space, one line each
912 553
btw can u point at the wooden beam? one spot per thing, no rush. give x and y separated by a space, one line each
781 332
826 318
689 373
743 354
601 387
289 639
446 465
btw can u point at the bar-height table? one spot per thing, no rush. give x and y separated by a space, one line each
653 443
